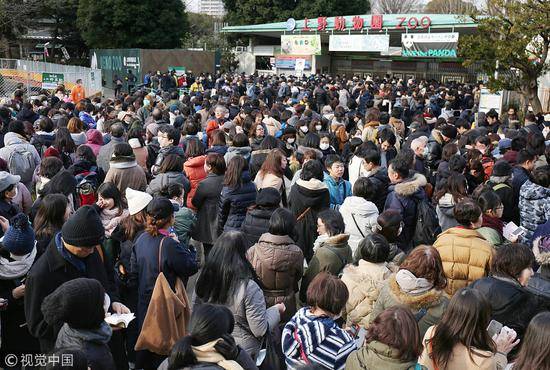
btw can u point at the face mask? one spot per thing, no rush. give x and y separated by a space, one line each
426 152
304 129
15 191
106 303
146 103
290 140
324 146
318 127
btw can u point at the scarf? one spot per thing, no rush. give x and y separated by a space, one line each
110 218
207 353
411 284
493 223
68 256
17 268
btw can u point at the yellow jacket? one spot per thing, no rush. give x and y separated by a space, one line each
466 256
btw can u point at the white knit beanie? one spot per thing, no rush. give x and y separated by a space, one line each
137 200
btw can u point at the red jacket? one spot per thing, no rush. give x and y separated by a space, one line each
194 170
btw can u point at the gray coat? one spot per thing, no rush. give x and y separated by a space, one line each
233 151
106 152
445 208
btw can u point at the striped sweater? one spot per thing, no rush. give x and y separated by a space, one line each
323 342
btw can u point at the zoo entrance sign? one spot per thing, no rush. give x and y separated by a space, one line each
359 23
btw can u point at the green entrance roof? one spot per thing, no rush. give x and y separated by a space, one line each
389 21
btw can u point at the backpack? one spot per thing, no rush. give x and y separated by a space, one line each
86 186
427 226
21 163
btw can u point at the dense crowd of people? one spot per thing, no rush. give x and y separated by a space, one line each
275 222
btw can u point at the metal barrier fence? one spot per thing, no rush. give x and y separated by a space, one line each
34 76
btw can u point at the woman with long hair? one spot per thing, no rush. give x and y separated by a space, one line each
158 247
209 343
271 173
65 146
461 339
238 193
170 172
534 352
452 191
419 285
194 168
228 279
392 342
52 213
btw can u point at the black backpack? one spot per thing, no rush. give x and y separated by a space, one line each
427 223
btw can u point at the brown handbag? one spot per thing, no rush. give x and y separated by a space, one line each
167 315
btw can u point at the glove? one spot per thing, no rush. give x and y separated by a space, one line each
227 347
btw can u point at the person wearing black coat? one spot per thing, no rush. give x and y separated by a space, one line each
500 182
238 193
512 304
257 217
539 284
308 197
206 201
71 254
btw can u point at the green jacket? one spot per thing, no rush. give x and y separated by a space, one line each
331 256
377 355
185 221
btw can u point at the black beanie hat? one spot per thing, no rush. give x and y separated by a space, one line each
502 168
77 302
83 228
268 197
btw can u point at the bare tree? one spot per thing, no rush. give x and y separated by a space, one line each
396 6
450 7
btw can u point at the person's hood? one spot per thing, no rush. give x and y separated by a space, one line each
446 201
373 124
195 161
432 297
359 206
48 135
532 191
93 136
301 149
410 186
339 241
366 271
312 184
11 138
268 240
173 177
379 354
243 150
70 337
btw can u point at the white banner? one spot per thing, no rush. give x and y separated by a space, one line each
376 43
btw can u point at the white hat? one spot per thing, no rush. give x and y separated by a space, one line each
137 200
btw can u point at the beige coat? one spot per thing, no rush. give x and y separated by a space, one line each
460 359
268 181
466 257
364 282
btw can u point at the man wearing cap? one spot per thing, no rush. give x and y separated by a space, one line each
73 253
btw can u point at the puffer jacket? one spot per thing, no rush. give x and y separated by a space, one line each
338 190
307 199
256 223
466 256
194 169
279 264
445 208
534 206
379 178
427 307
332 256
377 355
164 179
234 202
364 282
403 197
359 216
233 151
